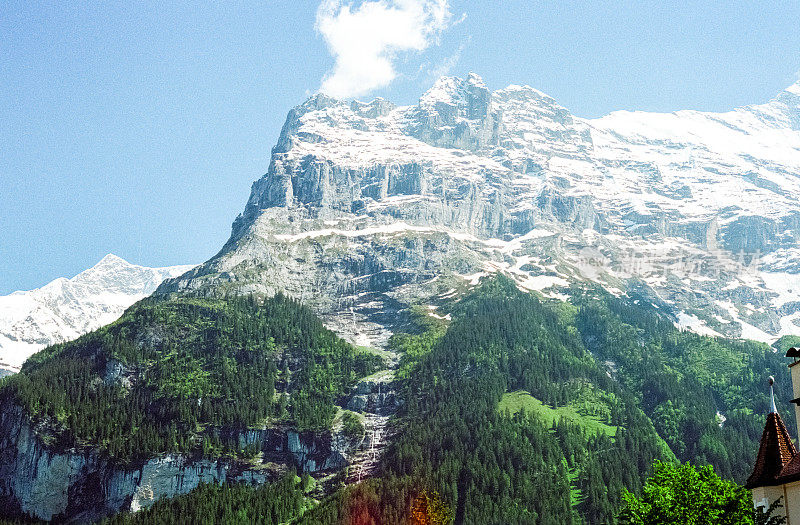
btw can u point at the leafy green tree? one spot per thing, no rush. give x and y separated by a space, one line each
687 495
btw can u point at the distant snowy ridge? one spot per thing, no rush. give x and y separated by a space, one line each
64 309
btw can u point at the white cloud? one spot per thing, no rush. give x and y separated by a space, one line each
365 39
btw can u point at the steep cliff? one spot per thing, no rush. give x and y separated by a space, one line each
50 483
368 207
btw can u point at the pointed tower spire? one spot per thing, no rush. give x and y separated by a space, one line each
771 380
775 451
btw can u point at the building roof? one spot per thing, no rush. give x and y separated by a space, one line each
777 462
790 472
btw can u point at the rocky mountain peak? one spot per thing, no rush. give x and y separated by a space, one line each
370 201
451 98
790 100
780 113
454 91
111 260
524 92
455 113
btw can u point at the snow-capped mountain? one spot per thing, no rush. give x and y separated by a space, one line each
369 207
67 308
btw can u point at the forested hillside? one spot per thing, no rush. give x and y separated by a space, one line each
170 372
603 359
519 410
706 396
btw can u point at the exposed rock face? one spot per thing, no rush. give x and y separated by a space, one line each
82 486
376 398
375 395
369 207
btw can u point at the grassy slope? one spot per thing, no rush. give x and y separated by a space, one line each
513 402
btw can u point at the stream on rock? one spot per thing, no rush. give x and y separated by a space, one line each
375 397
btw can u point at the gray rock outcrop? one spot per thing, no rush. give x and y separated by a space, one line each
84 486
369 207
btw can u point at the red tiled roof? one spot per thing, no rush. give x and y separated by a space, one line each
777 456
790 472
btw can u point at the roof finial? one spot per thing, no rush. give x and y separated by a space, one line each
771 382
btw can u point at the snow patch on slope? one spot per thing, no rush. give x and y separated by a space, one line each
694 324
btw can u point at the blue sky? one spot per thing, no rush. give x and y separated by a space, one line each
138 128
